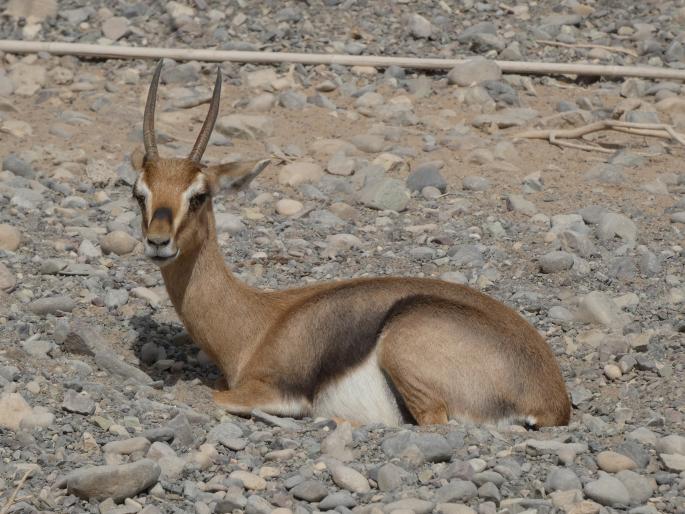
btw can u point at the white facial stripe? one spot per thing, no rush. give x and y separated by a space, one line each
198 185
141 189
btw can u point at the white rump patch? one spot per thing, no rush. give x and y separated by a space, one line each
362 395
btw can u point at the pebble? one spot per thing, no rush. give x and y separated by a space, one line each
473 71
562 479
517 203
475 183
611 313
348 478
310 490
113 481
301 172
118 242
287 207
613 462
385 194
115 28
78 403
457 490
613 225
7 279
555 262
249 480
419 27
56 305
426 175
13 409
608 491
10 238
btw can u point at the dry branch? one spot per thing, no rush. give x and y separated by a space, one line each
187 54
10 501
620 50
556 136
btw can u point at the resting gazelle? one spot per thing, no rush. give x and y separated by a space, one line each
389 350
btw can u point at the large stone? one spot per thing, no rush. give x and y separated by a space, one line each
562 479
434 447
118 242
414 505
640 488
310 490
418 26
554 262
597 307
613 462
78 403
390 477
7 279
27 78
230 223
385 194
245 126
517 203
673 462
473 71
348 478
671 444
613 225
32 10
301 172
115 27
457 490
608 491
425 175
10 238
335 445
56 305
13 408
116 482
249 480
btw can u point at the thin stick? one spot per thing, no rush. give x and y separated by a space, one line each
578 146
620 50
186 54
10 501
659 130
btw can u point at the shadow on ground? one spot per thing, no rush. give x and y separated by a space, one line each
177 358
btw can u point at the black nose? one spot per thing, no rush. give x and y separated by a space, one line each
158 240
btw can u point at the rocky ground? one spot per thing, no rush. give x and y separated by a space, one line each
105 402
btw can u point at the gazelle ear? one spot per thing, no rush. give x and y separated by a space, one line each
138 159
239 174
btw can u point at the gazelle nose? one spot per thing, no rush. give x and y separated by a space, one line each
158 240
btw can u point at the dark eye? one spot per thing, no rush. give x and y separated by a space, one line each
198 201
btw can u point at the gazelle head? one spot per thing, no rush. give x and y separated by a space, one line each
174 195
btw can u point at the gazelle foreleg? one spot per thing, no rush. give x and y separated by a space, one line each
257 394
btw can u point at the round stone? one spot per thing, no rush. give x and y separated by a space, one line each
10 238
118 242
287 207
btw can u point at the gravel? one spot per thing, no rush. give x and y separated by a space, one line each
103 396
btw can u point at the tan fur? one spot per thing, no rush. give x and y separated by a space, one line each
449 351
379 349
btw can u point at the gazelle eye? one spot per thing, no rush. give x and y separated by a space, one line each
198 201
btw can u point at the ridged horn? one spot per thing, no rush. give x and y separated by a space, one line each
149 138
208 125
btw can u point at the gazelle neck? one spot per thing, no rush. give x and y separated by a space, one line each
225 317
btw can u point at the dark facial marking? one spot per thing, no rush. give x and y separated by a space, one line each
198 200
162 213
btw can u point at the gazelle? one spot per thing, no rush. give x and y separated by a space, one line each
389 350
